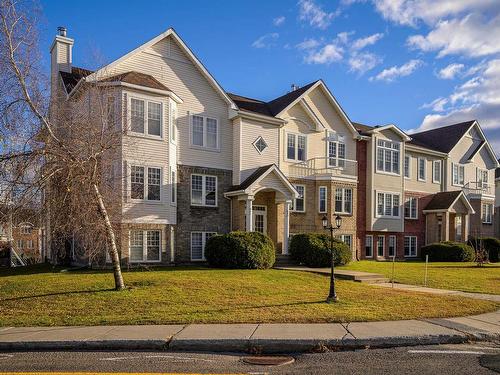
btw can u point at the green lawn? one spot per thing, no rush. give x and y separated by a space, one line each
38 296
454 275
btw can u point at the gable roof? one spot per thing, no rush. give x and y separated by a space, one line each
170 32
367 130
280 103
362 128
444 200
251 179
441 139
251 105
70 80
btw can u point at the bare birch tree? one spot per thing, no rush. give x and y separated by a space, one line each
65 147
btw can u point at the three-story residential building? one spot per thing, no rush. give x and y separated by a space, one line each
196 160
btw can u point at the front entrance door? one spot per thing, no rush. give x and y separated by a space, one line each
260 219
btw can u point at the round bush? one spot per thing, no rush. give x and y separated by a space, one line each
313 250
490 244
449 252
251 250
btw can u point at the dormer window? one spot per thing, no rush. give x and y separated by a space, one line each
260 144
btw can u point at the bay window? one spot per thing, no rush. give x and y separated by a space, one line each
388 205
146 189
146 117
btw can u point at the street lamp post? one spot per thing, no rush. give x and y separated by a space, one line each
332 296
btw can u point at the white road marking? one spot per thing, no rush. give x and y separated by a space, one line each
484 348
176 358
444 352
6 356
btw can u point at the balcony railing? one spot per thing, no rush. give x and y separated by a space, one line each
325 166
479 188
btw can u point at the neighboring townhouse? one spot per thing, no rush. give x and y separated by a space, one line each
497 202
196 161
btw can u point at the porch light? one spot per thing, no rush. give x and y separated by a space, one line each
324 221
338 221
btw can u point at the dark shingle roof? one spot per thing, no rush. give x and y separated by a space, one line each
71 79
252 178
273 107
442 200
441 139
497 171
136 78
479 146
361 128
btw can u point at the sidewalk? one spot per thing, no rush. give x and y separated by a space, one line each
255 338
366 276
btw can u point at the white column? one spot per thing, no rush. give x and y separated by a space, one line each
286 226
446 223
465 234
249 214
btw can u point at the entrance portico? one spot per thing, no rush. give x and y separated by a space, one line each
262 203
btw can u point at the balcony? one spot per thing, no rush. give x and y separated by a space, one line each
478 189
326 167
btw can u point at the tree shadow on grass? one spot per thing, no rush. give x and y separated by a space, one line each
57 294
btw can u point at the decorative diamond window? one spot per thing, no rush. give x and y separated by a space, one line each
260 144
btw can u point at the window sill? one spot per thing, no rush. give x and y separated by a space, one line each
411 218
143 261
202 206
388 173
153 203
388 217
198 260
145 136
343 213
298 212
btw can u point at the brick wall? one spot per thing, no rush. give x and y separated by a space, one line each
203 219
361 157
476 227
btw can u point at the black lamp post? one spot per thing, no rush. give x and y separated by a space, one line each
332 296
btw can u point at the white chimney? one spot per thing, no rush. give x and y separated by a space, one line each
61 52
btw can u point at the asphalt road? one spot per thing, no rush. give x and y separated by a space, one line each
444 359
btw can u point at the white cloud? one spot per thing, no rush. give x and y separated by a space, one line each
391 74
437 105
308 44
328 54
344 36
367 41
471 36
313 13
278 21
409 12
363 62
451 71
266 41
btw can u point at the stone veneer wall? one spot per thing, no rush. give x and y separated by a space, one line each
199 219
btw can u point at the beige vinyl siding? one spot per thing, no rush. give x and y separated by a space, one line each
427 186
251 159
167 63
237 150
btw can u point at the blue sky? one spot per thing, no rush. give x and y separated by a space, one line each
415 63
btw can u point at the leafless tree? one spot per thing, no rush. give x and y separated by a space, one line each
66 148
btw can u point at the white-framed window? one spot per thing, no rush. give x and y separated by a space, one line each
380 246
142 188
387 205
29 244
296 147
198 242
260 144
487 213
26 229
388 156
146 117
299 204
336 150
392 246
369 246
347 239
322 199
458 228
204 132
173 186
144 246
437 171
407 167
458 174
482 178
343 200
411 208
410 246
422 169
203 190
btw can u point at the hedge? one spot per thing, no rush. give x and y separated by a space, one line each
490 244
313 250
251 250
449 251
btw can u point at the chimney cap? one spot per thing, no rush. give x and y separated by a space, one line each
294 87
61 30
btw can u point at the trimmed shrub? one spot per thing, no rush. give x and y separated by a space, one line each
449 251
251 250
490 244
313 250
